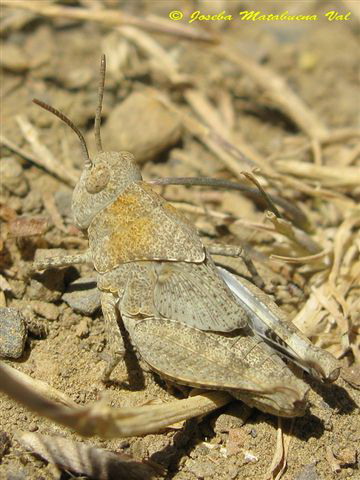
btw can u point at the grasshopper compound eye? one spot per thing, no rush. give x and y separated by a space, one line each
98 178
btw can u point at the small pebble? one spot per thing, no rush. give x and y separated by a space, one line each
14 58
234 417
346 456
12 176
45 309
200 469
32 202
124 444
76 77
28 226
33 427
250 457
352 375
46 286
12 333
83 296
82 329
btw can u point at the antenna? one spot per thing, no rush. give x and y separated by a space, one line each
68 122
99 105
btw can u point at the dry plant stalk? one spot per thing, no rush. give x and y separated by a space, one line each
217 137
342 176
111 18
99 419
43 156
278 91
155 52
330 315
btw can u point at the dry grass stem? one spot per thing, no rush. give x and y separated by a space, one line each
307 259
278 91
20 151
155 52
328 176
303 241
316 192
234 157
111 18
44 157
267 198
213 133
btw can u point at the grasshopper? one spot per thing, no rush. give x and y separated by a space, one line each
191 322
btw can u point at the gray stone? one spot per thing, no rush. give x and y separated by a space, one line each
14 58
83 296
45 309
47 286
200 468
12 333
32 202
163 129
12 176
308 472
63 203
234 416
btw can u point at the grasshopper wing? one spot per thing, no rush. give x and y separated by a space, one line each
196 295
268 321
212 361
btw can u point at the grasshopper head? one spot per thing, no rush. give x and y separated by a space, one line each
104 178
101 182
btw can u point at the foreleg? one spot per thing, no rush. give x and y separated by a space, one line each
50 262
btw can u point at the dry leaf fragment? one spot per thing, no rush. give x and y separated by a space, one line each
278 464
334 464
79 458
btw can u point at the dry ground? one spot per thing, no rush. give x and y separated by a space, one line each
300 159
